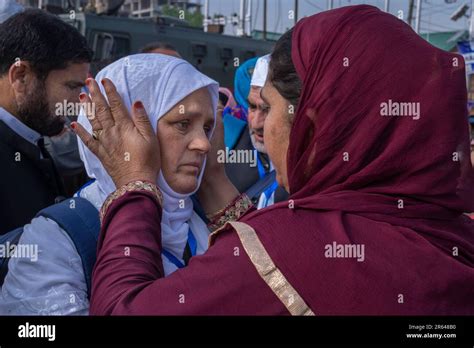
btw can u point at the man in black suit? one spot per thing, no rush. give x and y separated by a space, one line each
44 63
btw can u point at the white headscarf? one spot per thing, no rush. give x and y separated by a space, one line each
9 8
160 82
260 72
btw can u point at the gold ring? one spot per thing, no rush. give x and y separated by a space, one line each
96 134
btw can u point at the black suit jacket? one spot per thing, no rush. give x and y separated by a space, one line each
27 182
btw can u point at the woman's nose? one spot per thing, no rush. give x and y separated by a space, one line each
200 143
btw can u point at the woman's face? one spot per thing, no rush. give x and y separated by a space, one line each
183 133
277 129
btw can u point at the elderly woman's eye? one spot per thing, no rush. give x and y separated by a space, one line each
208 130
182 125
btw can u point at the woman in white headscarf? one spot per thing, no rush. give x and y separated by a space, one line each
181 105
160 82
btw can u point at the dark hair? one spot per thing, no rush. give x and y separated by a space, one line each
223 98
157 45
282 72
43 40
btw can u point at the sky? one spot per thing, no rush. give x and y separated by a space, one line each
435 14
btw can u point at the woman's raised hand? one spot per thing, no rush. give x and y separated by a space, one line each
126 146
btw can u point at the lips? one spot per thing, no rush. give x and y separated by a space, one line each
259 137
257 133
193 164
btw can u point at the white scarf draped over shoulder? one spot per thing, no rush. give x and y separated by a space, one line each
160 82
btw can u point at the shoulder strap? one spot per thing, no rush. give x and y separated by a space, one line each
268 271
80 220
261 185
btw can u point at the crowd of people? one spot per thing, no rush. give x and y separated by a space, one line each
289 193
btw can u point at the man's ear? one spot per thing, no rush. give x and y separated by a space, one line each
21 75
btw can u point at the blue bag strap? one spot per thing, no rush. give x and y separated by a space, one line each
80 219
13 237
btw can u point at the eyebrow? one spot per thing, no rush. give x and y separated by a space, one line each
263 98
250 102
73 83
193 114
190 114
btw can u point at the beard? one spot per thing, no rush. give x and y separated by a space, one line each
260 147
36 113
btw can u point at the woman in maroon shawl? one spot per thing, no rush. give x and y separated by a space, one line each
376 160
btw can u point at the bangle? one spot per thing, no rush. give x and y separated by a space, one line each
131 186
232 212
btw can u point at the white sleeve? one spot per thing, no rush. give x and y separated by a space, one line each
46 276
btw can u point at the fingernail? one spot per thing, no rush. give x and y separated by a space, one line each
139 105
88 82
103 82
73 125
82 96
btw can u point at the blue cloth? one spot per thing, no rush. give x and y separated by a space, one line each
233 128
242 79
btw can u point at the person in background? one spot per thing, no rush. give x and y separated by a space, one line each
62 147
161 47
243 76
43 62
258 110
244 175
236 135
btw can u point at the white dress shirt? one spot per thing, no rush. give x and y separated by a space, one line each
19 127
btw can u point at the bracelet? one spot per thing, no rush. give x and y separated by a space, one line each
131 186
232 212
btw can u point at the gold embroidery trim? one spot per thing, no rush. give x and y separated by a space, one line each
232 212
132 186
214 233
269 272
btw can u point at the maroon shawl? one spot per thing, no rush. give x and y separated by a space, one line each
396 184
